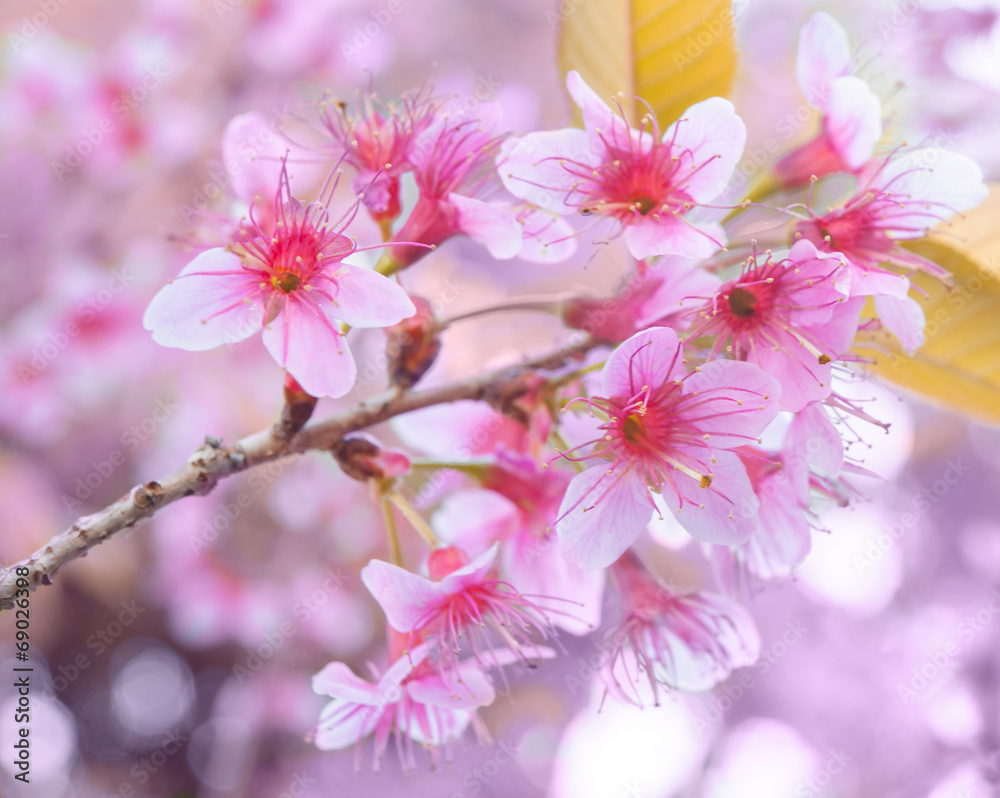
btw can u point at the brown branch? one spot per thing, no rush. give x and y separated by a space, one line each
213 461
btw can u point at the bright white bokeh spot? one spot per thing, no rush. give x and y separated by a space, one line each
953 714
762 758
965 781
858 565
152 693
627 752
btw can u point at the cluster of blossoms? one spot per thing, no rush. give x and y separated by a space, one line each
722 340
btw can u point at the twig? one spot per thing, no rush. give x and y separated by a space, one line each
213 461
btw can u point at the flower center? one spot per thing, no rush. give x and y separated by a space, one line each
632 428
287 281
643 204
742 302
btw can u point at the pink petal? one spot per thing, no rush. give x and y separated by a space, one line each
471 574
853 120
339 681
837 334
684 285
735 631
649 358
305 342
602 123
782 540
252 152
803 378
709 139
344 723
904 318
471 689
715 412
365 298
729 514
474 519
436 726
861 281
824 55
538 567
213 301
933 184
405 597
597 537
531 167
672 235
389 684
813 438
458 430
545 237
494 227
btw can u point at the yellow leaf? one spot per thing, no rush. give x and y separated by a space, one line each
671 53
959 364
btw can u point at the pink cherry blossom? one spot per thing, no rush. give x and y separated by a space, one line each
517 506
376 140
462 599
292 282
453 163
782 537
668 430
851 111
688 641
409 701
905 197
788 317
645 182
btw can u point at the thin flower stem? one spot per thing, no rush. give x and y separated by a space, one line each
764 186
541 304
577 373
385 229
415 519
387 264
395 554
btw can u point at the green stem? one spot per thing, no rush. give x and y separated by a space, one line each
415 519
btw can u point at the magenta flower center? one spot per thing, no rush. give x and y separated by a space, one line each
645 431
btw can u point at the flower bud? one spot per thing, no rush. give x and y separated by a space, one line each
413 345
361 458
298 408
446 560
